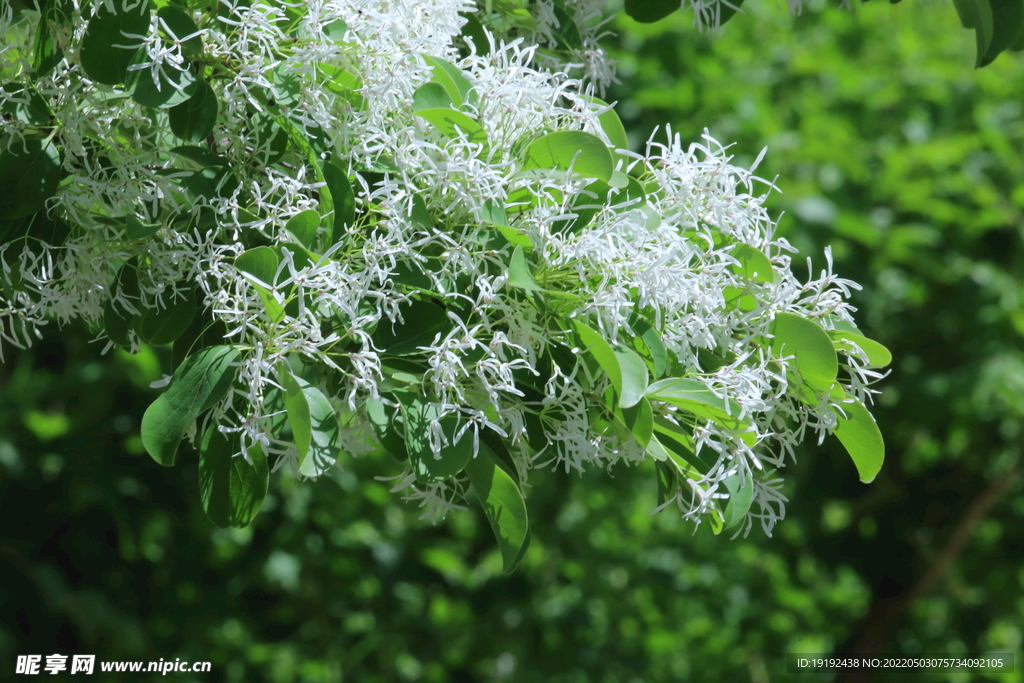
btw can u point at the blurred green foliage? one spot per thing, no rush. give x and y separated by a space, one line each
887 145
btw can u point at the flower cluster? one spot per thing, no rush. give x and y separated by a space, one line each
412 227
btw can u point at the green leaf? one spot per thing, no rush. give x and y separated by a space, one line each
428 466
602 352
423 321
117 321
859 433
519 274
726 11
878 355
45 53
200 381
666 476
965 8
231 490
652 341
612 126
741 495
325 435
494 213
584 153
451 78
343 200
634 377
691 395
983 28
566 33
297 408
715 520
303 227
754 265
431 96
261 262
387 429
650 11
135 229
200 156
101 60
336 30
452 123
503 504
159 326
24 105
204 332
679 443
194 119
1007 26
29 174
164 89
180 25
639 420
815 356
522 550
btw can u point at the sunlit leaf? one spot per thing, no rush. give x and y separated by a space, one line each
859 433
815 356
584 153
503 504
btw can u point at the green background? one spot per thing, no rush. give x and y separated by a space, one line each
889 146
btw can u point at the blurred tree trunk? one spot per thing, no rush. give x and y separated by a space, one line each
885 616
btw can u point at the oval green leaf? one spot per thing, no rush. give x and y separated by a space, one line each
741 496
261 263
423 320
503 505
136 229
519 274
303 227
178 26
862 439
691 395
159 326
428 466
451 78
639 420
194 119
231 489
633 371
612 126
814 355
454 123
101 59
166 88
650 11
387 429
297 409
602 352
652 341
753 264
584 153
878 355
431 96
200 381
342 200
325 436
29 174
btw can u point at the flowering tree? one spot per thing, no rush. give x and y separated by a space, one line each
412 228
